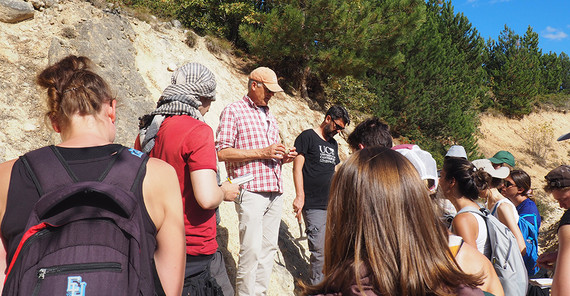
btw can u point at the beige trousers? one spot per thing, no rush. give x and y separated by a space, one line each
259 219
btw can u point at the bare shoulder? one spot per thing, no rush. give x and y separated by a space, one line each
160 176
506 206
161 190
157 168
6 167
5 174
464 218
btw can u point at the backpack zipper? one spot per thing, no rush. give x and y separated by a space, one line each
69 268
17 258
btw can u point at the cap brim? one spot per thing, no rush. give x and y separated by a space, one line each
502 172
274 87
495 161
564 137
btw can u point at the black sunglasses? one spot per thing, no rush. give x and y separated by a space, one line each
508 184
337 126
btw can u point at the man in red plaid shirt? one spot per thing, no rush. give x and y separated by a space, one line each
248 142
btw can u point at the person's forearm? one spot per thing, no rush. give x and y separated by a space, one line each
238 155
298 175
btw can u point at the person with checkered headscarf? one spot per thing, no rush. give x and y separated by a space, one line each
191 84
176 133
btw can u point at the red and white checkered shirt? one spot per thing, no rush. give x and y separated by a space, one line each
243 125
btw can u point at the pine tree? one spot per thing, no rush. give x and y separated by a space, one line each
565 71
551 78
433 94
514 68
332 37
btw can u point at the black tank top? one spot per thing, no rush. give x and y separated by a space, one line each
86 163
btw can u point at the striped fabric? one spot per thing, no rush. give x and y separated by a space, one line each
182 97
244 126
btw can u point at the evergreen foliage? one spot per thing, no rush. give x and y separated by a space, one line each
514 69
565 72
551 78
432 96
325 38
219 18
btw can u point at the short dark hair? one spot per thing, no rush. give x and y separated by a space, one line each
336 112
370 133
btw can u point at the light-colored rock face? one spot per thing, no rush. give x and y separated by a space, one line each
13 11
135 58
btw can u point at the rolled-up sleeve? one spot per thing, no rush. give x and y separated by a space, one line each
226 133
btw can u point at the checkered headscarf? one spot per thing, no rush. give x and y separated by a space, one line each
182 97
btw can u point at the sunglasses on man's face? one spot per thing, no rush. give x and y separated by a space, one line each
337 126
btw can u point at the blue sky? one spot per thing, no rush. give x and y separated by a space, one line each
549 18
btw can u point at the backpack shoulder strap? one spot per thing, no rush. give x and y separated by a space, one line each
530 215
473 210
126 169
47 169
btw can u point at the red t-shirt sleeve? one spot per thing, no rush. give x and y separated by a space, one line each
198 149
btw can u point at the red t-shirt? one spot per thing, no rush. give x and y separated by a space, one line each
188 145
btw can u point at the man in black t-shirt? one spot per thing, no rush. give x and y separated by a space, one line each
313 169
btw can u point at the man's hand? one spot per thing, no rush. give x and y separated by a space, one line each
231 191
547 260
292 153
275 151
298 204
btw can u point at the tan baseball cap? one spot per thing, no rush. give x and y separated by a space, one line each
267 77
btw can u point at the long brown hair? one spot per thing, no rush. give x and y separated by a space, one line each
380 217
73 88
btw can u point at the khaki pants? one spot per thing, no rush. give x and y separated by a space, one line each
259 219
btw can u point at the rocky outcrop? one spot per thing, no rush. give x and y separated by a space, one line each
108 42
13 11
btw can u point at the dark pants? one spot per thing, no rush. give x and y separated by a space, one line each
197 278
315 225
218 271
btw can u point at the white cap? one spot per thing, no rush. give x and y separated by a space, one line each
487 166
456 151
422 161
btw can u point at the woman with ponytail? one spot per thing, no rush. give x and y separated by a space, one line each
82 109
461 184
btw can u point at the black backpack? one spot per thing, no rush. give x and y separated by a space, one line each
83 237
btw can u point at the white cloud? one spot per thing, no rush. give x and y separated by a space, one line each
553 33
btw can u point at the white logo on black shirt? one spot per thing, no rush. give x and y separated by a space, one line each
327 154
